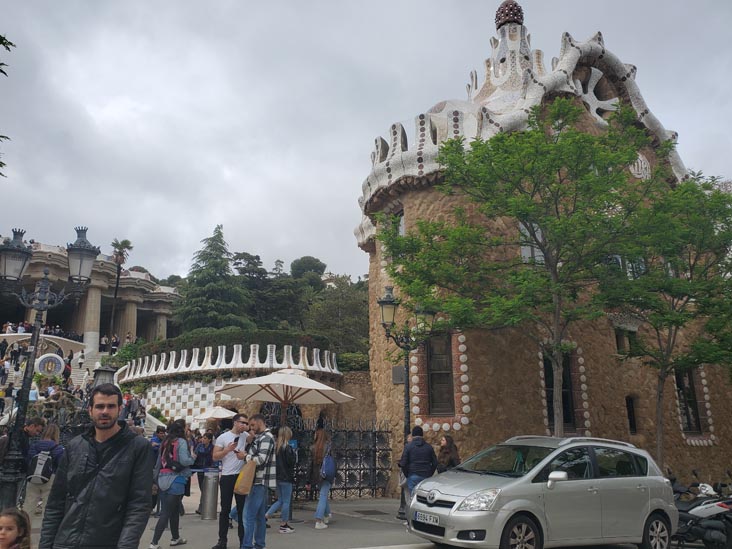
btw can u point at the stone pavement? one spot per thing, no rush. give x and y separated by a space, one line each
366 523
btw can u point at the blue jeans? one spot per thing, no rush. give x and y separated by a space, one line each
284 493
323 508
412 481
255 524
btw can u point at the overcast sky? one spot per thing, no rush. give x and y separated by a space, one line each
156 121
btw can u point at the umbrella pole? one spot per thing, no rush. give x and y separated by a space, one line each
283 413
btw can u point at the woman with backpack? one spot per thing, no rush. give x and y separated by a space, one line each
172 471
321 477
41 476
285 463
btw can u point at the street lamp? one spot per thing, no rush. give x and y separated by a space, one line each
15 256
407 341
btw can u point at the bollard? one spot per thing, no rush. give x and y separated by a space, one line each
210 495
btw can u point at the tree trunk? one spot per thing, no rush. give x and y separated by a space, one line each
557 368
114 307
659 417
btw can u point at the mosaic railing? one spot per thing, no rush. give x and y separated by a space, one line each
166 364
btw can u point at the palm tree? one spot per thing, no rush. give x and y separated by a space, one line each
120 251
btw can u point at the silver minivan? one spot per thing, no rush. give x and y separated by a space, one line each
532 492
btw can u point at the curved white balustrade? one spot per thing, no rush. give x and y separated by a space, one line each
165 364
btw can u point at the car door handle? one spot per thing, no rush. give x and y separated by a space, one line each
641 487
592 489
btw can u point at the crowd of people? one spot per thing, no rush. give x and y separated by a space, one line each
101 489
24 327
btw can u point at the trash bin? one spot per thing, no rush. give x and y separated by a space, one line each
210 494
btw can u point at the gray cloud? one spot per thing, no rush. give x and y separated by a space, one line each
156 121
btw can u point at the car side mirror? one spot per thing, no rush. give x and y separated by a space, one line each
556 476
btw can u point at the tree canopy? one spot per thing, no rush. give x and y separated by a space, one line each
545 207
212 298
674 279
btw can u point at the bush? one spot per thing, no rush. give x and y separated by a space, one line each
353 362
157 414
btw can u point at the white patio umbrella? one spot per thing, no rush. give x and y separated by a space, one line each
288 386
217 412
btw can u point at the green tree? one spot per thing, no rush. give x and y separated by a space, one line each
6 44
213 297
306 264
674 278
544 208
120 252
341 313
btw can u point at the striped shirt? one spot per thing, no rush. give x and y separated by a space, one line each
262 451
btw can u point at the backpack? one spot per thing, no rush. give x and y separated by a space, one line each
328 469
40 467
169 458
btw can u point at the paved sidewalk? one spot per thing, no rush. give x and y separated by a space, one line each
366 523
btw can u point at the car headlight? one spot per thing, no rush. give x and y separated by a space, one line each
480 501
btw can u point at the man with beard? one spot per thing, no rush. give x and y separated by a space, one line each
262 452
102 492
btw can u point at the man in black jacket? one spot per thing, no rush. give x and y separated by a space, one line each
102 492
418 460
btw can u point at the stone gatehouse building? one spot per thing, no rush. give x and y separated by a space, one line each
483 387
144 308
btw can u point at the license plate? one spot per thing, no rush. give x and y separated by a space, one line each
426 518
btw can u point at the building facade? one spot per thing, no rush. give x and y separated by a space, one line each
144 308
483 387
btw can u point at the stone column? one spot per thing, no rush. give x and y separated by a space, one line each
128 321
92 307
161 327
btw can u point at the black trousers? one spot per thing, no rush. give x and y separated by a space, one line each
226 486
170 514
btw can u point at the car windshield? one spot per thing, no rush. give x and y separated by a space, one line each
505 460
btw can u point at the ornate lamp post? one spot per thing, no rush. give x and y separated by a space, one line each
407 341
14 259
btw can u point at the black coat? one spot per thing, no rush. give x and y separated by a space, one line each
102 494
418 459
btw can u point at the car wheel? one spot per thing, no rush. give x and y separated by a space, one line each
656 533
521 532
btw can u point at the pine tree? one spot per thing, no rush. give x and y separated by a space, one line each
213 297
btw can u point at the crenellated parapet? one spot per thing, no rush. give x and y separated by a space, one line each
515 81
193 361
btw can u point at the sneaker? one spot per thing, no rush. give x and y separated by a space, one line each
320 526
179 541
153 546
326 518
286 529
219 545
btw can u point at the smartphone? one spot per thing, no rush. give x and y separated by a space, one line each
236 440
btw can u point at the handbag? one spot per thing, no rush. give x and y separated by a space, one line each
245 479
402 478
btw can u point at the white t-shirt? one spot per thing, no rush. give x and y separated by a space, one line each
230 464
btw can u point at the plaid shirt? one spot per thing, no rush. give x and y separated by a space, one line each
262 451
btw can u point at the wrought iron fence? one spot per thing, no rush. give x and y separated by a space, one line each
363 456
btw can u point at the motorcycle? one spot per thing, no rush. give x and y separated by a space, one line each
703 516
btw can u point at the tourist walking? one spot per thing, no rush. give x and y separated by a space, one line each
320 449
448 456
204 460
230 450
172 471
285 459
36 489
418 460
262 452
101 495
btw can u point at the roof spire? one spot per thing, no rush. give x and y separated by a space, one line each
509 12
